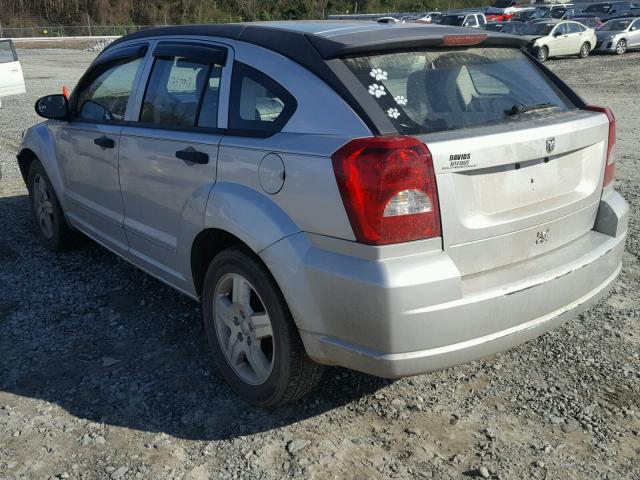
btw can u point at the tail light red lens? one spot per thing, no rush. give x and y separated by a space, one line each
388 188
610 169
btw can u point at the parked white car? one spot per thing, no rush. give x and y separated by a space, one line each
558 38
11 79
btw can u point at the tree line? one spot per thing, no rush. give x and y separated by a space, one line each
24 13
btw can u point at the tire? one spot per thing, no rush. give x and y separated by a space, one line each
621 47
52 228
264 371
542 54
585 50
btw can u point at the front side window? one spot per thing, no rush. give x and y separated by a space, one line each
6 52
471 21
257 102
481 20
177 87
105 95
431 91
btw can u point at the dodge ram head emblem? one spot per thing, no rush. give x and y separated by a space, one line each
551 144
542 236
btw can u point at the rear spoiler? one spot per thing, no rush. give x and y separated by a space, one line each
395 39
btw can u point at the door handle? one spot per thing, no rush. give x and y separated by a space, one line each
191 155
104 142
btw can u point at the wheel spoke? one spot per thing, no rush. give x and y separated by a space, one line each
43 189
241 291
235 350
258 361
223 310
261 325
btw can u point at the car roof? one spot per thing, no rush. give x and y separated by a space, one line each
331 39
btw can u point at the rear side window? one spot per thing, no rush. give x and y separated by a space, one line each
177 87
6 52
258 104
470 21
105 93
573 28
431 91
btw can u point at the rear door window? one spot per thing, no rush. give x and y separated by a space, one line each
6 52
470 21
431 91
573 28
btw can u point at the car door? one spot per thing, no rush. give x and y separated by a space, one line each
87 145
575 38
11 79
634 34
555 43
168 154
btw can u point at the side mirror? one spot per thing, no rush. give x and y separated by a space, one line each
53 106
557 33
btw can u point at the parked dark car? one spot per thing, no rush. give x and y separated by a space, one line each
494 26
528 15
609 8
588 21
515 28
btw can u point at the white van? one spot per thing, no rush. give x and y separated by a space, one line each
11 79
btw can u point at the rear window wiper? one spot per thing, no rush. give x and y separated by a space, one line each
519 108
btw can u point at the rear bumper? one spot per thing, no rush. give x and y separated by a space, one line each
407 315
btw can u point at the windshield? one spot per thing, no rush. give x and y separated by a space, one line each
614 25
452 20
539 29
432 91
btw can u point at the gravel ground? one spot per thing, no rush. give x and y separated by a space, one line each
105 372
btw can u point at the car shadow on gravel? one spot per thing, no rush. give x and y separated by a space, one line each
108 343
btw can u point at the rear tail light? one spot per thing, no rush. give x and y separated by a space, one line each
610 169
388 188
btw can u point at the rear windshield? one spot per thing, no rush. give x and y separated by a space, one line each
615 25
432 91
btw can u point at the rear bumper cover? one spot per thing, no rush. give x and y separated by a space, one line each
409 315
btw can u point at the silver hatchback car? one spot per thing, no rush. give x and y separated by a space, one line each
392 199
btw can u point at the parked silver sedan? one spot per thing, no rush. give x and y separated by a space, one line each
393 200
618 36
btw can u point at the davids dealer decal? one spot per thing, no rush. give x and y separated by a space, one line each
459 160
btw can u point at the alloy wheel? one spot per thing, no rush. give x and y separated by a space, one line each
243 329
584 50
621 47
43 206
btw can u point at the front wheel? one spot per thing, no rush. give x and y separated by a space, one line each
621 47
52 228
585 49
251 333
542 54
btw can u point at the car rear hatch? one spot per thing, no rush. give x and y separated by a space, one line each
506 196
518 162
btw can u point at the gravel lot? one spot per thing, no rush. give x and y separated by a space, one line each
105 372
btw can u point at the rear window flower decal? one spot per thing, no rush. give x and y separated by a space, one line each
393 113
376 90
400 100
378 74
